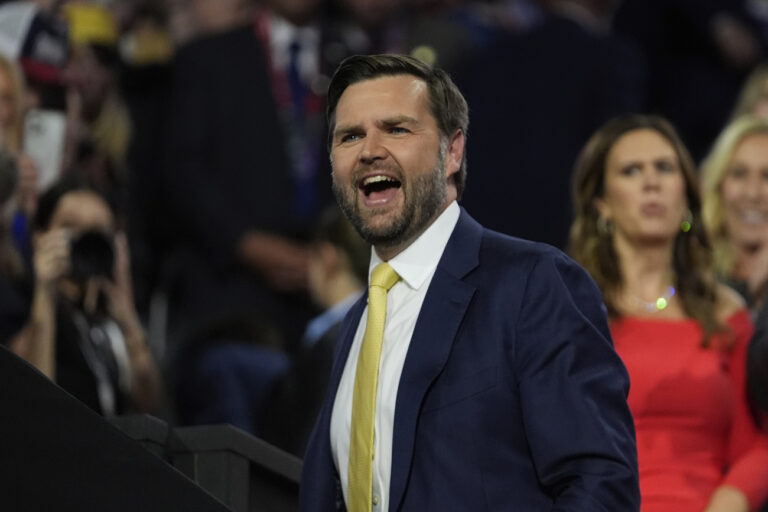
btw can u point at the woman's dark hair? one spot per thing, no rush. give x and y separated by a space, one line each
49 200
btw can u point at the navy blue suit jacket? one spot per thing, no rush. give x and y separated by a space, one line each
511 397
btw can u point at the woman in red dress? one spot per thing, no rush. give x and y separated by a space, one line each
682 336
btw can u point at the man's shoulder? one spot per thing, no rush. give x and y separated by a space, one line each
507 250
508 262
475 247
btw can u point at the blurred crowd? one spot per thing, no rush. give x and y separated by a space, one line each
168 240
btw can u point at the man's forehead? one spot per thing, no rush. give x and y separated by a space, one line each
383 92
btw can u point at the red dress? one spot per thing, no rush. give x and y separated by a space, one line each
694 429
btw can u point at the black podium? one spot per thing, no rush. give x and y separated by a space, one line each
57 454
245 473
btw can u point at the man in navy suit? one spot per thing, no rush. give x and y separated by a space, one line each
498 386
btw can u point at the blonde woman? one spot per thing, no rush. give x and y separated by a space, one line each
734 182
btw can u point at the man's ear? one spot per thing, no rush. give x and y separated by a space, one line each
454 153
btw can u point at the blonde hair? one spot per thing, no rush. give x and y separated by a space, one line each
13 132
713 171
754 90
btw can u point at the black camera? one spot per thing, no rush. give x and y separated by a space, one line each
92 254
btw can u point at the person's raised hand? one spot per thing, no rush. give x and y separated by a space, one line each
120 290
51 257
281 262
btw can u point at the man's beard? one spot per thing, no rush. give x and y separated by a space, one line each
425 196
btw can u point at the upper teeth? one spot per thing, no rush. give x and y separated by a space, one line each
375 179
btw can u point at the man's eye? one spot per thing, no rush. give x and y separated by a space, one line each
349 137
397 130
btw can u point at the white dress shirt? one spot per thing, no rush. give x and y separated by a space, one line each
415 265
282 34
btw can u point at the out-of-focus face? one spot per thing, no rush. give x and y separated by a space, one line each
91 79
644 194
744 191
81 210
210 16
389 175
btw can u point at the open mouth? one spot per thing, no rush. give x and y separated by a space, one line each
378 189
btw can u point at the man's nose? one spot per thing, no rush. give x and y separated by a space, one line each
373 148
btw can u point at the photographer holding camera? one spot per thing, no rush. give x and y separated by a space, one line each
83 330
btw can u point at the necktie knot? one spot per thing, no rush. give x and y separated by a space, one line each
384 276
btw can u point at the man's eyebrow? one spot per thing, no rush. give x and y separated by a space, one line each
345 128
392 121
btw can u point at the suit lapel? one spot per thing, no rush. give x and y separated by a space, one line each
339 360
319 468
346 336
441 315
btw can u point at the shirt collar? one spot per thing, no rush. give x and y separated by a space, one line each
419 260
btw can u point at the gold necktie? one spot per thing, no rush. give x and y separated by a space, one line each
364 398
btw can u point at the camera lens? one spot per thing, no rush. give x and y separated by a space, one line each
92 255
